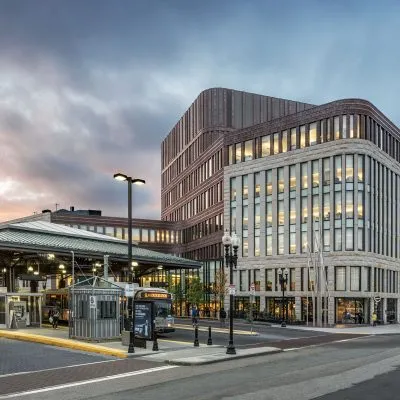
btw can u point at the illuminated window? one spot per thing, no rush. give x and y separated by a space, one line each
351 126
315 207
281 213
257 185
292 211
284 142
349 168
313 133
292 178
233 189
268 245
245 187
292 243
269 214
336 128
281 182
360 205
326 171
327 206
304 210
231 154
248 150
302 136
338 205
293 139
304 176
349 204
276 143
269 182
265 146
315 173
257 218
360 166
338 169
344 128
238 153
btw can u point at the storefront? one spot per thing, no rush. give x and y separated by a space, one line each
275 308
243 307
353 310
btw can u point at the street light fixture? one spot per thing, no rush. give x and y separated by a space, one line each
231 242
283 279
122 177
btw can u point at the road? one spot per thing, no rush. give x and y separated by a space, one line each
355 368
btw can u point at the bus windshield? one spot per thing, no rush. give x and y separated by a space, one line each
162 309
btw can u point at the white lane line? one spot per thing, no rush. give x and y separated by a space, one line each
55 368
96 380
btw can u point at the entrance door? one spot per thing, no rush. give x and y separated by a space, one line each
2 311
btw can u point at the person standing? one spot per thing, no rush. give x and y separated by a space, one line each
222 317
194 315
374 319
56 318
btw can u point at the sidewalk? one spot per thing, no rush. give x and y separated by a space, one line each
390 329
170 352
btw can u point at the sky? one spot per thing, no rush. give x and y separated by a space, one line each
92 87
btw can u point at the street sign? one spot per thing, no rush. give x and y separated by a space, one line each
377 299
232 290
129 290
92 301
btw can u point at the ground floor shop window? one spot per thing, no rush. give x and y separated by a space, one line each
352 310
391 310
276 308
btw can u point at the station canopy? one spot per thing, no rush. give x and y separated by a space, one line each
46 237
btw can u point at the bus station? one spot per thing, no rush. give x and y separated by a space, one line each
40 260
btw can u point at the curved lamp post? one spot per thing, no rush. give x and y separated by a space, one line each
283 279
231 243
122 177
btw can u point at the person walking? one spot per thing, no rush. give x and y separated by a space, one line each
194 315
56 318
222 317
374 319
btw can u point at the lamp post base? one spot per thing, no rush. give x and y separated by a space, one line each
230 349
131 348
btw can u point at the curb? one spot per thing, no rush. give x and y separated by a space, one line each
235 357
65 343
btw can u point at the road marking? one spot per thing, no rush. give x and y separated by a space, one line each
174 341
53 369
96 380
218 330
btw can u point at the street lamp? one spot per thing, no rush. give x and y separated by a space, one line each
283 279
231 242
136 181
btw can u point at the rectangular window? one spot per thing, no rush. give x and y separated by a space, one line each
268 247
351 132
360 166
304 210
349 168
315 173
269 214
338 169
245 218
233 189
313 133
302 136
326 171
327 240
355 279
276 143
338 205
136 234
360 205
315 207
281 181
284 142
292 211
245 187
145 235
304 242
338 239
349 239
304 176
238 152
293 139
292 178
281 213
257 246
248 150
265 146
349 204
245 246
231 154
257 185
340 278
292 243
269 274
257 219
281 243
327 206
344 129
336 128
292 280
269 182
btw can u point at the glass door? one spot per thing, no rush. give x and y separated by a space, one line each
2 311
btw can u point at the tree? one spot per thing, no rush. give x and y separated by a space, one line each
219 288
195 292
175 288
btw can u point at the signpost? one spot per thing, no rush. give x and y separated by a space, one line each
92 301
232 290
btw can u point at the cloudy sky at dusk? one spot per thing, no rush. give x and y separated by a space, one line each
91 87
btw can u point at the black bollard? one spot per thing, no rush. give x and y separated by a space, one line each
209 341
196 336
155 342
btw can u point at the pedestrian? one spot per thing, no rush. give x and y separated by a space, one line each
374 319
194 315
222 317
56 318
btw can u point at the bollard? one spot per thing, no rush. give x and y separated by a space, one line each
209 341
196 337
155 342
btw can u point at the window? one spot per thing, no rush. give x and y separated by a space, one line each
269 214
302 136
269 273
327 239
269 182
136 234
292 211
349 168
336 128
280 243
360 205
315 207
315 173
233 189
338 239
326 171
304 210
248 150
344 129
238 153
293 139
355 279
257 186
281 213
313 134
257 218
145 235
281 182
245 217
284 142
360 166
276 143
230 154
338 169
268 247
338 205
340 278
351 126
349 204
292 178
304 176
245 187
349 239
327 206
304 242
265 146
292 243
106 309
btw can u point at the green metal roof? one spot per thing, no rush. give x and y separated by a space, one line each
48 237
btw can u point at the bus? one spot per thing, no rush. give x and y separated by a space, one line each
162 300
